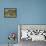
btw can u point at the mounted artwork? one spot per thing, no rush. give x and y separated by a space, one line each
10 12
32 32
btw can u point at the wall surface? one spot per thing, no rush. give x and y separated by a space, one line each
28 12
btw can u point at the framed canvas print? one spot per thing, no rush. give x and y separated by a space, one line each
10 12
32 32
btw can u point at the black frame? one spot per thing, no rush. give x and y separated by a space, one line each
10 16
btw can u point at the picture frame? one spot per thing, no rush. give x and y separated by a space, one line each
37 29
10 12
